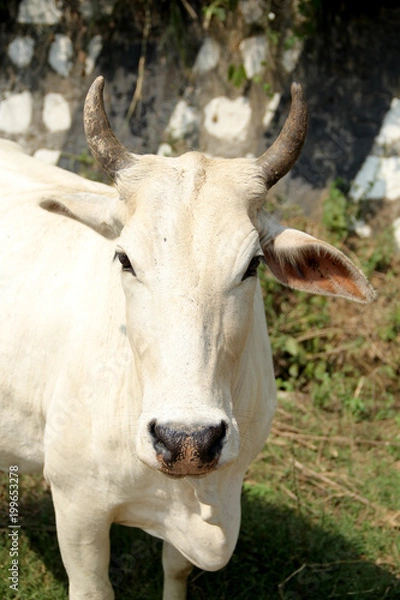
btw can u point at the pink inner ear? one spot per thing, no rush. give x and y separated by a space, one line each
318 268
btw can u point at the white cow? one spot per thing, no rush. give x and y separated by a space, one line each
145 402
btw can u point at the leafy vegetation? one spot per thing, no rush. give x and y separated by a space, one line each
237 74
345 356
338 211
217 9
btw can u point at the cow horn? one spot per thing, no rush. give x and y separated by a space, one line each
286 149
105 147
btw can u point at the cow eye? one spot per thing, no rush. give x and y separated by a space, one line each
125 262
252 268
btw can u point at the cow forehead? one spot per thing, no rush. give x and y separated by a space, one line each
190 210
206 185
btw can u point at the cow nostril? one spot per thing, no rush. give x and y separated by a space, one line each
152 428
202 444
160 443
213 445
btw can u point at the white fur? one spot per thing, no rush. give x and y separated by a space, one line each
77 397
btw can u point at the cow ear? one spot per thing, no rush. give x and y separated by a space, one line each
305 263
103 214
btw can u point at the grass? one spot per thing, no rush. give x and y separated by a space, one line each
321 511
320 520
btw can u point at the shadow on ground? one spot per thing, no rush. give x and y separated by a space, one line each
280 555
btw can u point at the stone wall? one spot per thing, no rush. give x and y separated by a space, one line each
47 56
218 82
222 102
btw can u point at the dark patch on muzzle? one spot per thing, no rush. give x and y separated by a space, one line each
181 451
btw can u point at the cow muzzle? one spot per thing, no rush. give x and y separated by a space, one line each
181 451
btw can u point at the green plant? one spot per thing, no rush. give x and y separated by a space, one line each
338 211
291 41
345 356
84 164
237 74
267 87
310 11
273 36
379 255
218 9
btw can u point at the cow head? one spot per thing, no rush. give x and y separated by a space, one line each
190 233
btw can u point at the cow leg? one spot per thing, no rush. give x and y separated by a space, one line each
84 540
176 571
